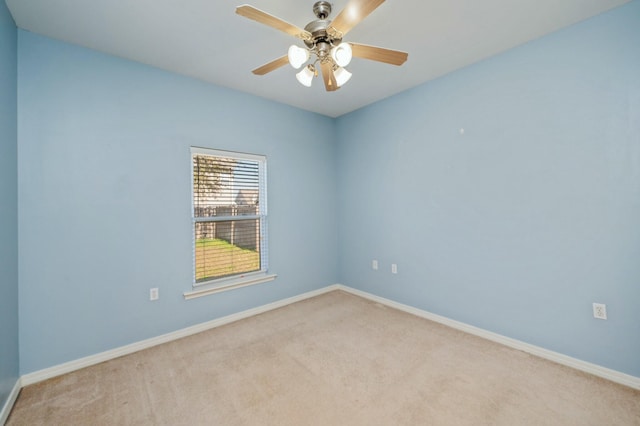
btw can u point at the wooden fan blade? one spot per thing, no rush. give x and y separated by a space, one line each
354 12
393 57
264 18
273 65
329 78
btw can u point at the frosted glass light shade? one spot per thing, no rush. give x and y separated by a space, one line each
342 76
305 77
341 54
297 56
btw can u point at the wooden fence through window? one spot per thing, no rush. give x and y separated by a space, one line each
243 233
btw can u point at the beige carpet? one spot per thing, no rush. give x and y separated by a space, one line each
336 359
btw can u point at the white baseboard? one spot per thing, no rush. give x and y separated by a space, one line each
67 367
8 405
587 367
596 370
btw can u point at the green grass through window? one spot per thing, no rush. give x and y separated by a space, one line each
218 258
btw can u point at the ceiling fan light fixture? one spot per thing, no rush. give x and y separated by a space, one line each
342 54
323 39
297 56
342 76
305 77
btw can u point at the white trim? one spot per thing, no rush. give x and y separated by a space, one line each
596 370
234 279
587 367
188 295
8 405
67 367
227 154
203 219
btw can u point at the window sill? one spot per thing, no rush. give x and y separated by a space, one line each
230 286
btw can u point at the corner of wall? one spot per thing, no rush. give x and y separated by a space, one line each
9 357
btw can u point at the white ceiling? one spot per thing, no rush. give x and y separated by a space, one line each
205 39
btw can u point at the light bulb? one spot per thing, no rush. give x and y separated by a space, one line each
341 54
342 76
297 56
305 77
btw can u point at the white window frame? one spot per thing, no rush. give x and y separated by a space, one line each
244 279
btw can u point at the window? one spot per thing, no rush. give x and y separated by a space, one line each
229 206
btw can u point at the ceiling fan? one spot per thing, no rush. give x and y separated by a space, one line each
323 39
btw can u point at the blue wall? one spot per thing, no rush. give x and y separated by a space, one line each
104 198
8 206
515 226
519 224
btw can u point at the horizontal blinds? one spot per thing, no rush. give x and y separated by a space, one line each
228 215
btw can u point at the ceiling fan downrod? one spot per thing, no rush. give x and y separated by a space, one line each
322 9
322 36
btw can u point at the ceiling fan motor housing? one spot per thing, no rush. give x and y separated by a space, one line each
318 30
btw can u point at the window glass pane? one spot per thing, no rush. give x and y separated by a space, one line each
229 217
226 248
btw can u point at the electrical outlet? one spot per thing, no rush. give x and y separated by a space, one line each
374 265
154 294
600 311
394 268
